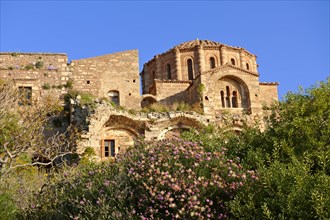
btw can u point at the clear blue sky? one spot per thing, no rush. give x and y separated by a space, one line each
290 38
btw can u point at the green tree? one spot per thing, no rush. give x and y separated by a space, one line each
291 157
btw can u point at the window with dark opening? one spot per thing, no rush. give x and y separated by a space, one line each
190 69
222 94
234 100
212 63
88 82
247 66
227 97
114 97
168 71
232 61
109 148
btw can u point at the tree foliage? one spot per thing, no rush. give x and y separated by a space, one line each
292 159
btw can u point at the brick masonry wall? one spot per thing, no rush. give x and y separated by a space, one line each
40 71
268 93
171 91
112 72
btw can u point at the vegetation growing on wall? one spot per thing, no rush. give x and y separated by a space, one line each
177 106
281 173
39 64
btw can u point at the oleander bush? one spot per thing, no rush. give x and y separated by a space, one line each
176 179
154 180
90 191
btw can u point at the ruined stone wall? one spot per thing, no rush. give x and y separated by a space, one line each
193 91
171 91
113 72
123 127
40 71
268 93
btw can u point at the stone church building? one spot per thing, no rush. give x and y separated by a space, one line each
223 81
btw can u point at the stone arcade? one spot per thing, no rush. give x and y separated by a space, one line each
222 80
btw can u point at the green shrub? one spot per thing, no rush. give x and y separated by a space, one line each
72 94
46 86
284 191
291 157
29 67
8 209
132 111
59 86
86 98
39 64
93 191
69 84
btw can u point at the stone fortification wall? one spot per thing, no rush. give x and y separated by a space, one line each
268 93
117 72
39 71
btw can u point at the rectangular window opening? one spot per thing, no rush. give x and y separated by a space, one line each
109 148
25 95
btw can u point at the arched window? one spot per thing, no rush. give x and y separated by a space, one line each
114 97
228 97
168 71
222 94
212 63
234 100
190 69
232 60
247 66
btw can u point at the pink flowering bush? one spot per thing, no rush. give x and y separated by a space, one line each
170 179
90 191
176 179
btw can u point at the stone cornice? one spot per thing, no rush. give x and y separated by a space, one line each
269 83
187 50
237 49
25 79
172 81
211 47
229 66
31 53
